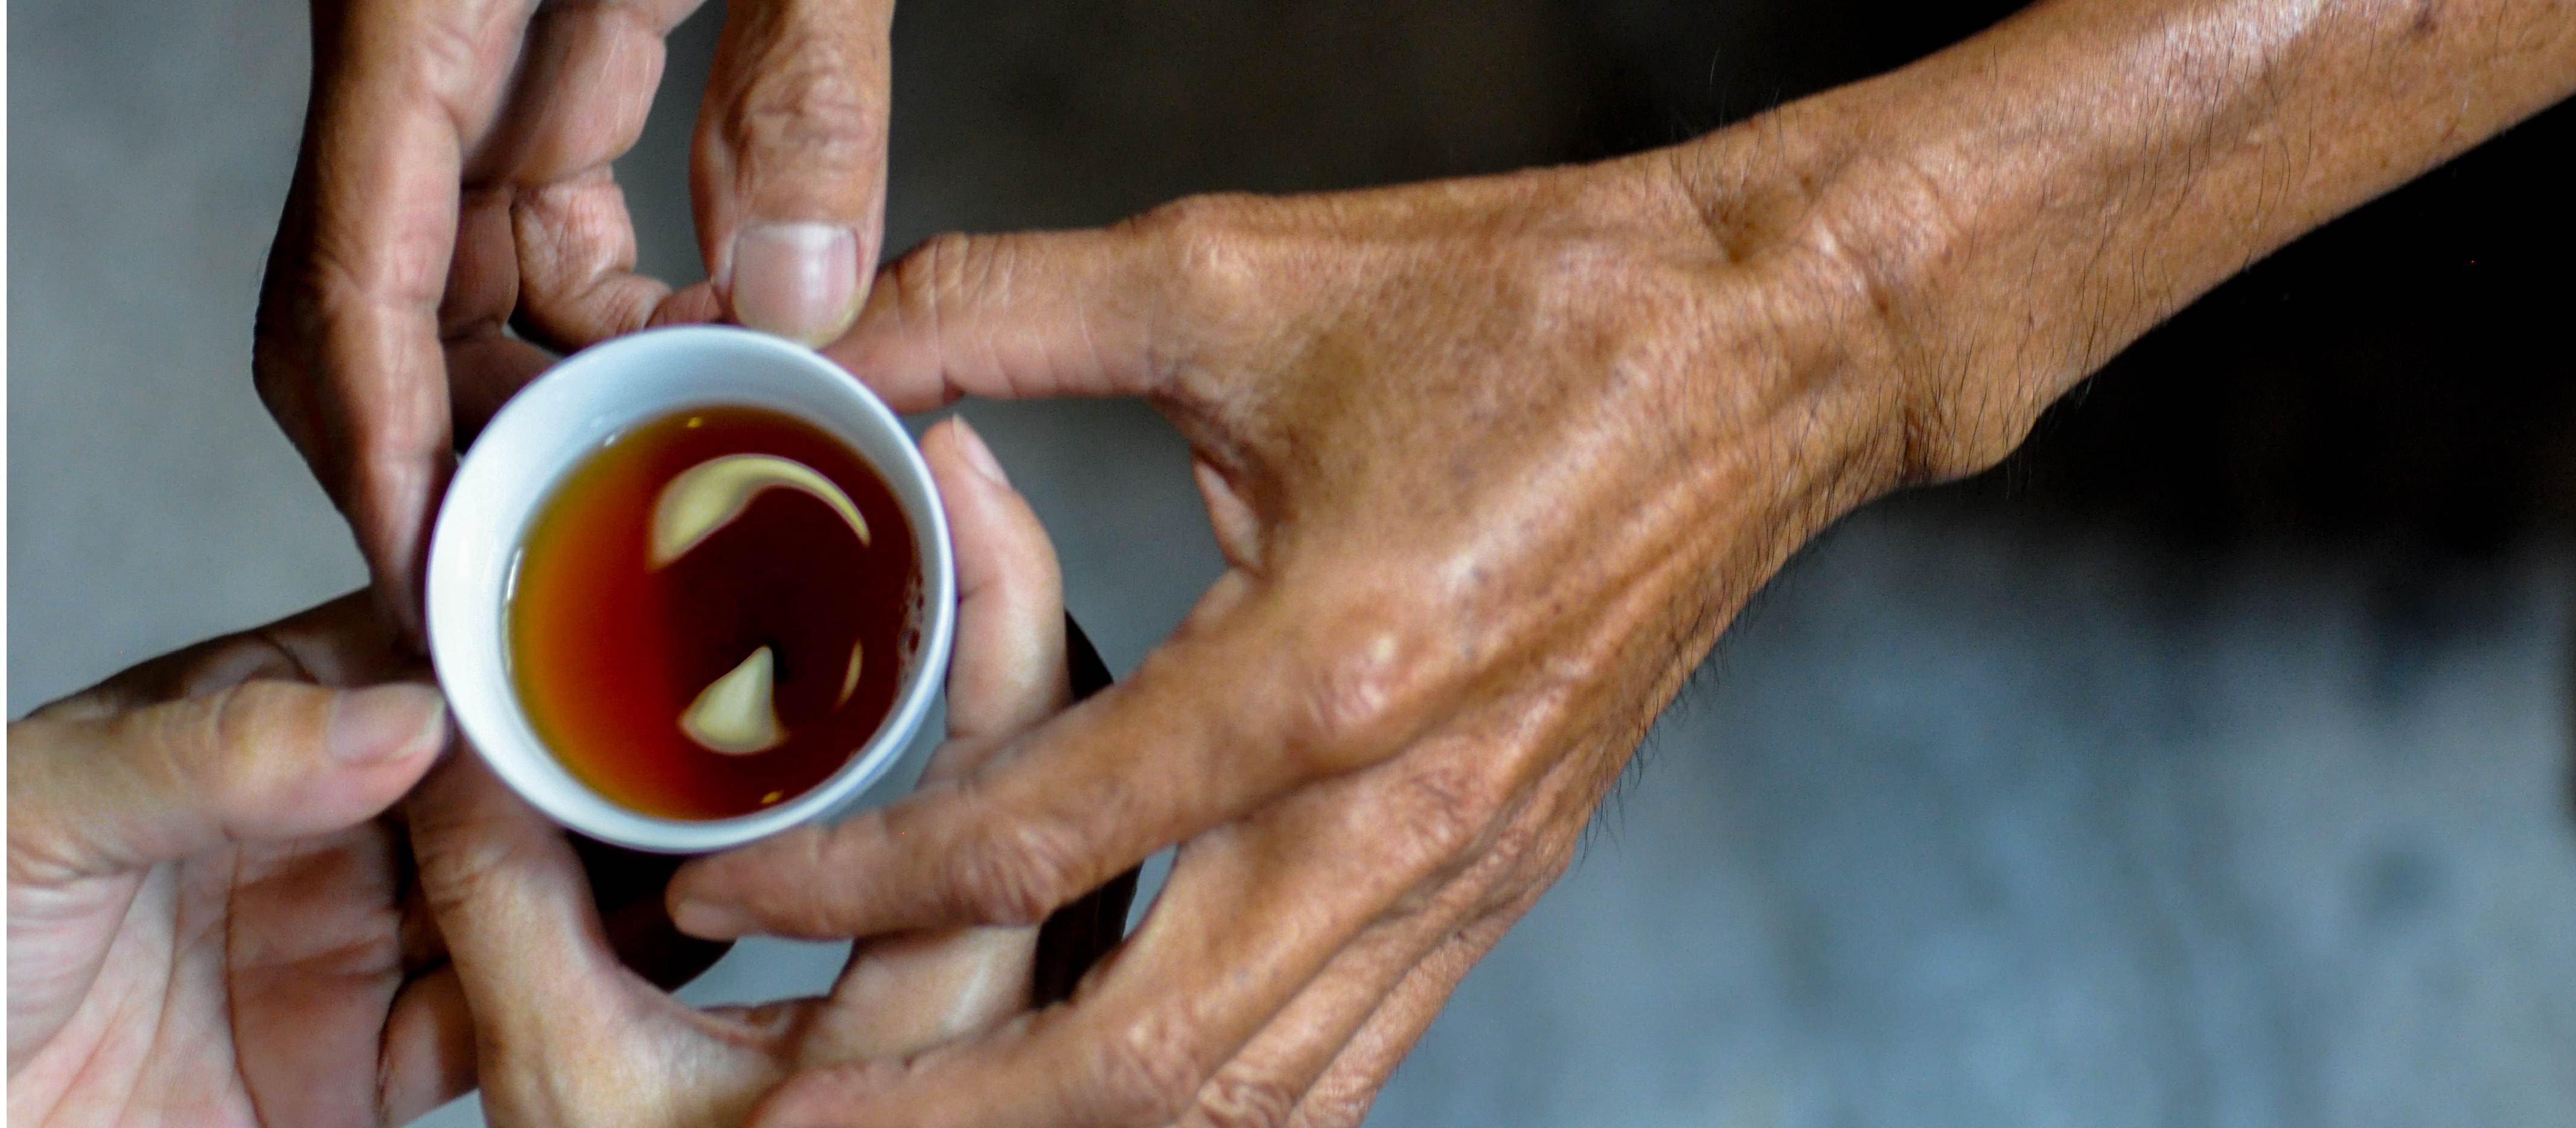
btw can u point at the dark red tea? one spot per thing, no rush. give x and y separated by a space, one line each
630 666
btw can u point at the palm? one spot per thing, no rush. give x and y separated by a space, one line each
248 985
275 965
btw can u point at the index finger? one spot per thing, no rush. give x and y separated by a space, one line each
1251 701
347 348
1012 316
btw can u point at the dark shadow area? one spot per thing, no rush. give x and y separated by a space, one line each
2403 373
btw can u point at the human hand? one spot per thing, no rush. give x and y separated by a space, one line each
208 921
1491 462
455 179
1494 460
569 1038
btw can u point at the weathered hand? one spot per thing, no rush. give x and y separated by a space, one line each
1494 460
570 1038
455 179
209 924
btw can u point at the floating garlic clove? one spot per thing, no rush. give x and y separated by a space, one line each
708 496
734 714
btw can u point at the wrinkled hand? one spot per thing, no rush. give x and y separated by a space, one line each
569 1038
1492 461
208 923
455 179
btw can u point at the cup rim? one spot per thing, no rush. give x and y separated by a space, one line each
560 419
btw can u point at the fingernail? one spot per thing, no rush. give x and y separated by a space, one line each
978 455
709 922
384 723
797 280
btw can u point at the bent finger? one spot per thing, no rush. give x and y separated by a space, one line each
347 339
576 244
1273 1071
1009 670
509 896
1012 316
427 1055
1341 1096
1252 913
1251 699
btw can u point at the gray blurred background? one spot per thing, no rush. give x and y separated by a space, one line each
2206 765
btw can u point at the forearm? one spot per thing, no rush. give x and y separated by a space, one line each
2017 209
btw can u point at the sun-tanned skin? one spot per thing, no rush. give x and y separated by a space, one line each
1494 460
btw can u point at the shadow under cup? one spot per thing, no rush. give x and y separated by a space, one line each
559 423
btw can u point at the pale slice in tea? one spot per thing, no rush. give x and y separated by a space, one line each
709 616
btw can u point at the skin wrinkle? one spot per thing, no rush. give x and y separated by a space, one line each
1879 285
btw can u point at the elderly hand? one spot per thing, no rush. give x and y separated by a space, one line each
208 921
569 1038
1494 460
455 179
1491 462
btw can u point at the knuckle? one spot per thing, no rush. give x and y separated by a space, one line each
1448 807
940 266
243 721
1515 860
1340 1100
452 53
1360 699
1230 1100
460 867
815 112
222 748
1206 243
1018 874
1148 1073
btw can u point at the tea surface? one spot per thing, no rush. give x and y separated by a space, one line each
609 650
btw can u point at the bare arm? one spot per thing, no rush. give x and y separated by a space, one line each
2022 206
1494 460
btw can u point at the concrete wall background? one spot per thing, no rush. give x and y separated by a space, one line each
1990 812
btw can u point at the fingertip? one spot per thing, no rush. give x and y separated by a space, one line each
687 898
694 304
997 532
969 475
707 921
977 455
1007 672
801 281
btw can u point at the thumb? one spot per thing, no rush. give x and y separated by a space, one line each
262 761
1007 672
515 910
789 174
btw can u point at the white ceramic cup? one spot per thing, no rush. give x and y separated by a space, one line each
564 417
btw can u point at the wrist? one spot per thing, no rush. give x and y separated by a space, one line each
2008 214
1852 244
